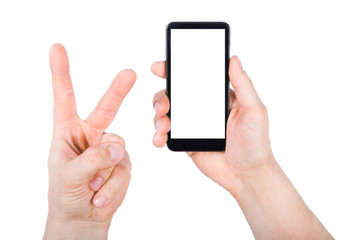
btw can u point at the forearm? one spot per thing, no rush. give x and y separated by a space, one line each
58 229
274 209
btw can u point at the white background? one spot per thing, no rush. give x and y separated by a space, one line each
304 61
197 83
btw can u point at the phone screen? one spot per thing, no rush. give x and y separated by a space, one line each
197 83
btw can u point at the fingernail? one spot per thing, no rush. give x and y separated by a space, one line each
96 183
99 202
115 151
156 107
156 137
158 125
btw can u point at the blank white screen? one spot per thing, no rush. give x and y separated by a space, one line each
197 83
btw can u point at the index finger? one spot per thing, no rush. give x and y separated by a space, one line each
64 98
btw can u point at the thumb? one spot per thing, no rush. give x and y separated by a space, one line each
244 89
94 159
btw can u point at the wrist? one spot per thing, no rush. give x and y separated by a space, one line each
57 228
247 181
273 208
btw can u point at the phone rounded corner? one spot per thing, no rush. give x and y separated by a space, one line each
226 25
171 146
170 25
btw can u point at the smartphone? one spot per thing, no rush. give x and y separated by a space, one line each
197 84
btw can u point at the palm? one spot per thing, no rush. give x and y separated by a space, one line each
244 143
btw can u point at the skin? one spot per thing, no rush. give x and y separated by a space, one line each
247 168
89 170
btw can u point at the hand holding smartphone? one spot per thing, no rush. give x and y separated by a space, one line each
197 62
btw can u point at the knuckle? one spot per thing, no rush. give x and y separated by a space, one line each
106 172
258 112
155 119
129 164
111 137
261 109
111 190
157 96
122 141
119 140
127 161
126 173
107 112
265 110
128 178
167 123
124 170
166 101
162 96
94 156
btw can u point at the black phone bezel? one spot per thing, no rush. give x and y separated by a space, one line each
197 144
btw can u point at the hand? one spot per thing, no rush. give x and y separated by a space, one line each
247 147
89 170
247 167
